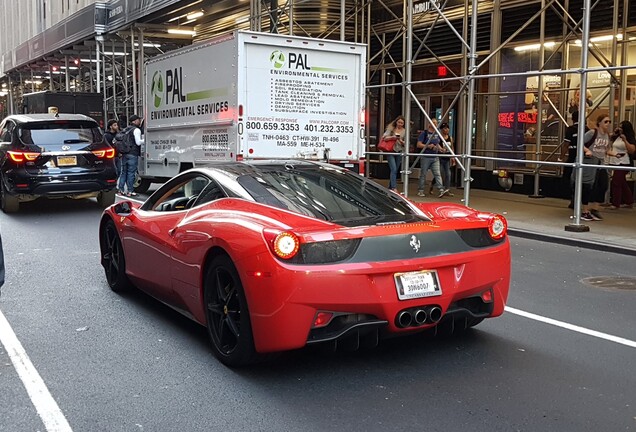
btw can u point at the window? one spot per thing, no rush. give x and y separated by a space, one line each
5 132
62 131
184 193
327 193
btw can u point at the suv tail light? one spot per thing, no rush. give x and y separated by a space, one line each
22 156
105 153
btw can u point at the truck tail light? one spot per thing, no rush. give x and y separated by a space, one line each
363 117
361 166
104 153
22 156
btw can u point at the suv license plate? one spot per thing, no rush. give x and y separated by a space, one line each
419 284
66 160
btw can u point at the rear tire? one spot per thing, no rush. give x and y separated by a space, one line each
10 204
106 198
227 314
113 259
141 184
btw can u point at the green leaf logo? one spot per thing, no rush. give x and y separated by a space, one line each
278 59
156 88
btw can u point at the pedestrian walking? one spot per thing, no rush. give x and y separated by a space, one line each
445 163
596 149
568 152
429 144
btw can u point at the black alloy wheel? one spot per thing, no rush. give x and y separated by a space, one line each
227 314
113 259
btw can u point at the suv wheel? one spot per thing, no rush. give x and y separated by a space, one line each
106 198
10 204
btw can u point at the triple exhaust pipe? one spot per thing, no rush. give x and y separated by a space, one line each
416 317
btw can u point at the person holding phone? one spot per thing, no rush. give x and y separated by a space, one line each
395 129
622 142
428 143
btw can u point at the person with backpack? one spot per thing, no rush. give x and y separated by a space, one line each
112 128
128 142
569 145
428 142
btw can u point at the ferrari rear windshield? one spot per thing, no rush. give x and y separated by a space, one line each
60 132
327 193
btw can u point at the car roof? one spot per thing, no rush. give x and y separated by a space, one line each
30 118
252 167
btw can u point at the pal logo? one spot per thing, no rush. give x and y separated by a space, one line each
156 89
277 58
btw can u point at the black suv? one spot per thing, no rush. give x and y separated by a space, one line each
54 156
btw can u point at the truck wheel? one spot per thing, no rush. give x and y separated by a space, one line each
10 204
106 198
142 185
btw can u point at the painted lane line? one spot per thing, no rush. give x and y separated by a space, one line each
47 408
583 330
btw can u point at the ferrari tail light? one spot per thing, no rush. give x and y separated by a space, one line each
497 227
486 296
322 319
22 156
286 245
105 153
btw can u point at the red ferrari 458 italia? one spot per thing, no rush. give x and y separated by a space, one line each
275 255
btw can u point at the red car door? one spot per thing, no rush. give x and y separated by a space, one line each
148 244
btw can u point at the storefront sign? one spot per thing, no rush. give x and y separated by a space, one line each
507 119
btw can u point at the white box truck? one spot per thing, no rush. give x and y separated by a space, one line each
249 95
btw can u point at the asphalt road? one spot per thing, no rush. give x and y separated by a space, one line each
128 363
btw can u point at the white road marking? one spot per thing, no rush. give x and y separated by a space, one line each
49 411
583 330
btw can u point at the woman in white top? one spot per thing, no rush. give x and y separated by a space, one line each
624 143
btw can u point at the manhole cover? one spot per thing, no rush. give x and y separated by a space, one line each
615 282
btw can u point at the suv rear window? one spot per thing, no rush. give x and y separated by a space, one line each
60 131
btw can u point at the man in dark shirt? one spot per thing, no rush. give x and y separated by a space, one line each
112 127
570 141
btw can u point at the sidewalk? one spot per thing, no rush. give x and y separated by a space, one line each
546 218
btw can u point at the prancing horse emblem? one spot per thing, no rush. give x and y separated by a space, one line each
415 244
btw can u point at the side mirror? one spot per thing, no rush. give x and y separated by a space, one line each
123 208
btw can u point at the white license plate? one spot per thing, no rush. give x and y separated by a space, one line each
66 160
419 284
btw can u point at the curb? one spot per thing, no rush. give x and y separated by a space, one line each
604 247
